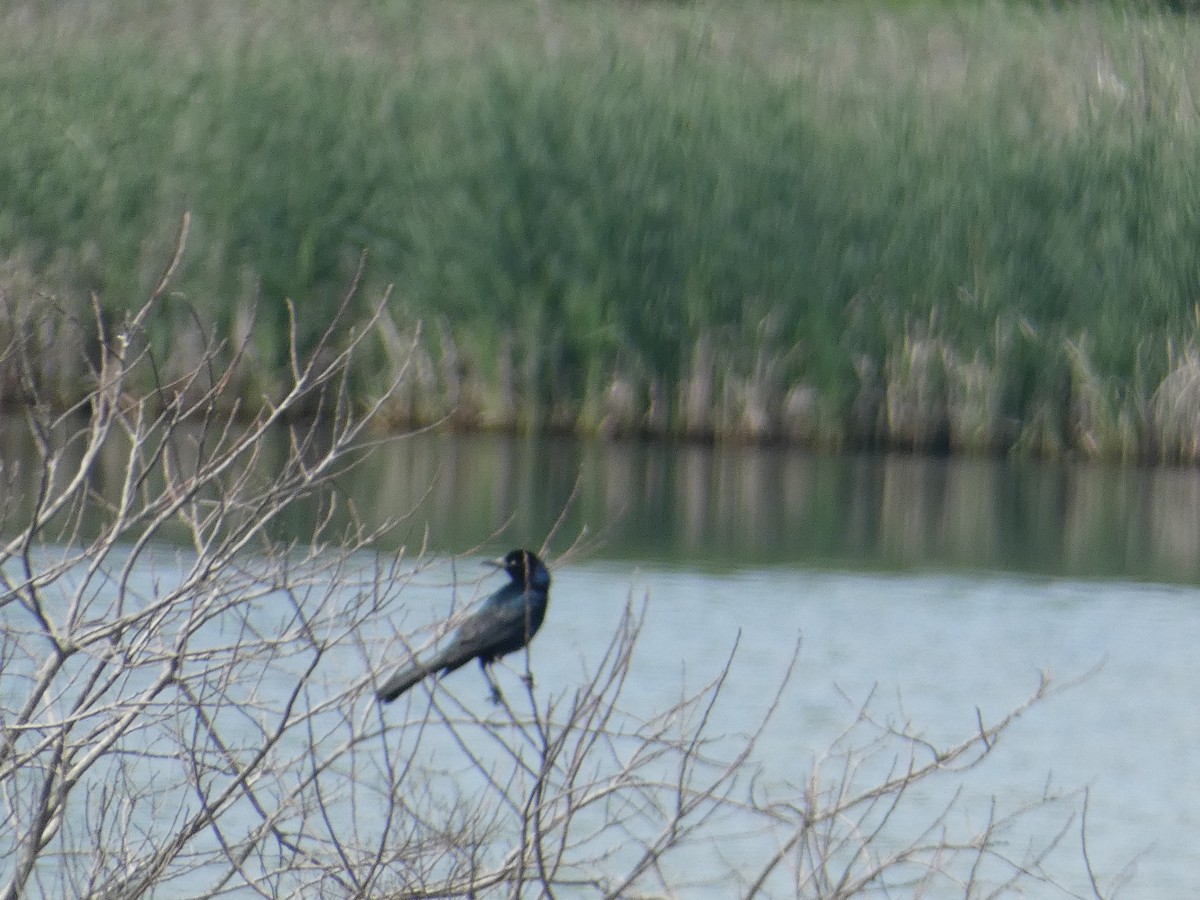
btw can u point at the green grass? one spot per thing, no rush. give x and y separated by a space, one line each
969 225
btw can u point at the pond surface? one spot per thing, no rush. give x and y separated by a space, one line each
710 509
929 649
937 651
937 588
704 508
938 584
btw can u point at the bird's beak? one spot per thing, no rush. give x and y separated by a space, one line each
494 563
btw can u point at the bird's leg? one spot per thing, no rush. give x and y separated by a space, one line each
527 677
496 697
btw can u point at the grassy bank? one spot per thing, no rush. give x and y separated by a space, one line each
840 223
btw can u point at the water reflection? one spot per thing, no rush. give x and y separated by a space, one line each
731 507
719 508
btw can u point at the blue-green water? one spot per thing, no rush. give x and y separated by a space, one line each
706 508
711 509
930 650
937 588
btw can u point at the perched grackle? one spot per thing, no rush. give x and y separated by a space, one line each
506 621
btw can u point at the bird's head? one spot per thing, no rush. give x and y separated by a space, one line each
524 568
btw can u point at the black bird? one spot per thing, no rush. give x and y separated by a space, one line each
506 621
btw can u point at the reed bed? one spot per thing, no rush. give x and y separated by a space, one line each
966 227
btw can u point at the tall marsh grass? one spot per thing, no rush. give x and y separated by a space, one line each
924 226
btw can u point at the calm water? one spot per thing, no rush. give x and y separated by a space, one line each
705 509
932 648
712 510
939 585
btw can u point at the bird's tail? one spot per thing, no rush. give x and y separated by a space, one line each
447 661
401 682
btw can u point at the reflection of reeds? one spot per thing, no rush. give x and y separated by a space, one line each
712 505
746 505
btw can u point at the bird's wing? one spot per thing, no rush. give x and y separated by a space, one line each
493 626
505 622
498 628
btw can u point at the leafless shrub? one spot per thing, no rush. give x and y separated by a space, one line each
133 722
186 707
857 829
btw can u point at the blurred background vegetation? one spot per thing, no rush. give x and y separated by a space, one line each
965 226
